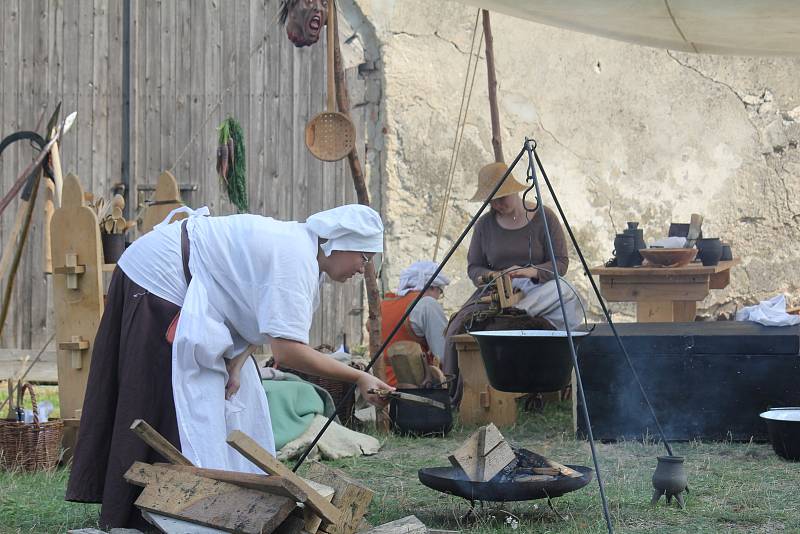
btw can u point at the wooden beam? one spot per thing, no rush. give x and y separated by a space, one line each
13 362
251 450
350 496
159 443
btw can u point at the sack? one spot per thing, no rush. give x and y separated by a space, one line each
30 446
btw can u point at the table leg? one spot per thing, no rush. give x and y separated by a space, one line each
684 311
654 312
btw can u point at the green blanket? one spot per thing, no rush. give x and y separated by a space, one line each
292 406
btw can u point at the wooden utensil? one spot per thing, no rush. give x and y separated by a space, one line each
330 135
118 201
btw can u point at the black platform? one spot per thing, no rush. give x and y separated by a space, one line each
706 380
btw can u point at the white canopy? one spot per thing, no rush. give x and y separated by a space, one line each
738 27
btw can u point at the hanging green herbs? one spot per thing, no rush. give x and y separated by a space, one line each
232 162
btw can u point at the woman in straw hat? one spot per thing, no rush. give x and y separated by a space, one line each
512 239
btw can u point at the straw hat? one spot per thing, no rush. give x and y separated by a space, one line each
488 178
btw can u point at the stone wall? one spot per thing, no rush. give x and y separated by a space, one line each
626 133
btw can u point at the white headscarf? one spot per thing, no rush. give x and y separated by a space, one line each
351 227
413 277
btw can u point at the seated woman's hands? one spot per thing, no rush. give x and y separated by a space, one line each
515 271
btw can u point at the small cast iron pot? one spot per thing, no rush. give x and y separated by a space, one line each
419 419
783 425
527 361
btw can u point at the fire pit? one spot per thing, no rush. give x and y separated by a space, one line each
519 481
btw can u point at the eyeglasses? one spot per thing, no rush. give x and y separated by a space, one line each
365 259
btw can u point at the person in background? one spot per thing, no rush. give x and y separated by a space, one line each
426 323
511 239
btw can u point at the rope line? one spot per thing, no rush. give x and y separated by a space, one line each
460 124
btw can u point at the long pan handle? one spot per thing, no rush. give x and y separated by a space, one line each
329 32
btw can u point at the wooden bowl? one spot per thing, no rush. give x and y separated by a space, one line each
668 257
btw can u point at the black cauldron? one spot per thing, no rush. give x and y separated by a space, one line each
783 425
420 419
527 361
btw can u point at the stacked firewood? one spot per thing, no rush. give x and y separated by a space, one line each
179 497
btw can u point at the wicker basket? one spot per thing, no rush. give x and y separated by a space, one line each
30 446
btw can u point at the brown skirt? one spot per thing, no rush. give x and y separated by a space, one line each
130 378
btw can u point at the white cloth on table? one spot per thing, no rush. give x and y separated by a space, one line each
428 320
770 312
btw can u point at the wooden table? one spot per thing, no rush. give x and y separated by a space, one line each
663 294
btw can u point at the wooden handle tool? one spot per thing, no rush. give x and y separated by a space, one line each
408 397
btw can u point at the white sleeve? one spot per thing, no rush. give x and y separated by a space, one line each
285 306
429 321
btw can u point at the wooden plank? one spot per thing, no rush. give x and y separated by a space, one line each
158 442
13 362
112 86
350 496
406 525
183 87
206 145
212 503
75 231
618 290
83 68
100 105
166 96
691 269
720 280
253 452
169 525
268 483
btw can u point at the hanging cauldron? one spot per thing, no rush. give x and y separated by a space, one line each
527 361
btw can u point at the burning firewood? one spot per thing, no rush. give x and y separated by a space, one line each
486 455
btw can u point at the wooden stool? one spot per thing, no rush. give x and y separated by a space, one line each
480 402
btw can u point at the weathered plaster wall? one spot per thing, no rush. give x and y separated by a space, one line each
625 133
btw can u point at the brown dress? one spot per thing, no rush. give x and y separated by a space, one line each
130 378
494 248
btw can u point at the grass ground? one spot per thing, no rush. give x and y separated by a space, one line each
735 487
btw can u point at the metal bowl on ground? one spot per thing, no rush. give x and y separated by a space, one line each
783 425
420 419
454 481
668 257
527 361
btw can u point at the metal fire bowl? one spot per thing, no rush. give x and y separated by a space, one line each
452 480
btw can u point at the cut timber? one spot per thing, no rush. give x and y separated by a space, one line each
166 198
563 469
263 459
207 502
267 483
484 454
351 497
159 443
407 525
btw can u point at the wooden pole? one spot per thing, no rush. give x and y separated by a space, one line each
497 143
370 277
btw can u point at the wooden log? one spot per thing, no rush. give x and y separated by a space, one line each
263 459
159 443
211 503
484 454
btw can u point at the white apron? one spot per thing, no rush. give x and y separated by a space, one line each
238 283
